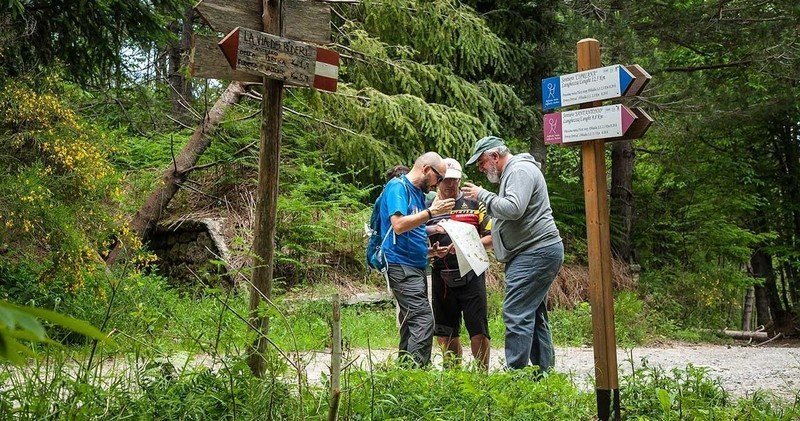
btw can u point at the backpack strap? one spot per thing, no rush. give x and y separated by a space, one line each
404 181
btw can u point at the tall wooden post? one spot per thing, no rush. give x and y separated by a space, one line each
266 206
336 359
599 243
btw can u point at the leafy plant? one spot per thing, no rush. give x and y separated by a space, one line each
19 323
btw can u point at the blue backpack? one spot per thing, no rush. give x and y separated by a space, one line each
376 258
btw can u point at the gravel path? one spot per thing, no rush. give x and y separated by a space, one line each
741 370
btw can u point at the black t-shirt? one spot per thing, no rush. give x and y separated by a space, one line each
462 207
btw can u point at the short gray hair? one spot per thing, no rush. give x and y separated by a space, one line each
501 150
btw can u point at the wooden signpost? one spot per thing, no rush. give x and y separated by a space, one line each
303 20
590 127
280 58
263 45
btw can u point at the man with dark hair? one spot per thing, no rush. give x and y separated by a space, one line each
457 294
396 171
525 238
403 211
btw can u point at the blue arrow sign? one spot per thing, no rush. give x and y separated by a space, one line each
582 87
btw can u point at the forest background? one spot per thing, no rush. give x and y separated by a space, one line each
97 101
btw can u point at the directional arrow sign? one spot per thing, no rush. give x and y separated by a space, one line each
207 61
582 87
611 121
280 58
639 126
640 79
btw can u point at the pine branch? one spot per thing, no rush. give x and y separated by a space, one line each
741 63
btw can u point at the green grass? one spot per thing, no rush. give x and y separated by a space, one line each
151 321
147 388
146 310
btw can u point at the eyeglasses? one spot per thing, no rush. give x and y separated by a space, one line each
439 177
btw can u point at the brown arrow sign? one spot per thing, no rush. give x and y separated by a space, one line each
279 58
304 20
639 126
640 79
207 61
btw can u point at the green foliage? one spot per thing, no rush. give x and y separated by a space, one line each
636 324
417 76
153 317
59 190
651 393
442 31
525 394
693 299
175 388
87 37
19 323
145 388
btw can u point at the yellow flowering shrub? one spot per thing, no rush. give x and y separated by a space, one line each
59 194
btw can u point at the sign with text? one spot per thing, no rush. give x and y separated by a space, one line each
582 87
607 122
282 59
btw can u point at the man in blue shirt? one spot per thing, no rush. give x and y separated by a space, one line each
403 210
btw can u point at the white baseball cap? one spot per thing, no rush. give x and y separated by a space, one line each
453 168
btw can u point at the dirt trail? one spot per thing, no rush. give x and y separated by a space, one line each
741 370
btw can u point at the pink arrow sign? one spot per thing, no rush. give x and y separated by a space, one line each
587 124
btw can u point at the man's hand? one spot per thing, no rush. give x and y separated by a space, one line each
471 191
439 252
440 206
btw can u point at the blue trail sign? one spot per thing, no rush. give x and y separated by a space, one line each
591 85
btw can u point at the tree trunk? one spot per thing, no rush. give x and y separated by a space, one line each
174 76
539 150
762 305
762 268
622 157
787 304
794 284
336 359
186 45
747 313
792 193
148 215
178 51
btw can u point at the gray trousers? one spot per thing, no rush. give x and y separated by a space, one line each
410 288
529 276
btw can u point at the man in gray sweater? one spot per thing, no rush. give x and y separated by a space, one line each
525 238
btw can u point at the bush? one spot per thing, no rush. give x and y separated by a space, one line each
59 191
635 324
701 299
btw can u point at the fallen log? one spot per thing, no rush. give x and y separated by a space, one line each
145 219
746 335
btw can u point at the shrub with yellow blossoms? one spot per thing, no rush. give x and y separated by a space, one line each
59 194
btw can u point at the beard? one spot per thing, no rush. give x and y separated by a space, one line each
426 188
492 173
